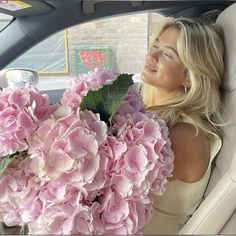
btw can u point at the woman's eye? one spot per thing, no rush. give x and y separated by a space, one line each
168 55
155 46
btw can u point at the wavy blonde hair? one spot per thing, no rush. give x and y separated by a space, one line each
200 48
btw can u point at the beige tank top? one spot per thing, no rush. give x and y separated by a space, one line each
180 200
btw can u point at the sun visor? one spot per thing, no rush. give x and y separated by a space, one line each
24 7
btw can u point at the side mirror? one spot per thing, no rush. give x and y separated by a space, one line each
18 77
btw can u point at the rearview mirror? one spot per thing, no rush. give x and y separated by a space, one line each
18 77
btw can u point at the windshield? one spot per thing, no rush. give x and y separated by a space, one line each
4 20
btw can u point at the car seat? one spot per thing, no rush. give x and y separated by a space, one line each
217 213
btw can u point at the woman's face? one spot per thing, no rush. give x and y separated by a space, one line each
163 67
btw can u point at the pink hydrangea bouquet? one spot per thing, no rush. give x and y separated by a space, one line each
92 164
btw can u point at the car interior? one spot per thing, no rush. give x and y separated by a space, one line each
29 26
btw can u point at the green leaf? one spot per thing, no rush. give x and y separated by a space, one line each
6 160
106 100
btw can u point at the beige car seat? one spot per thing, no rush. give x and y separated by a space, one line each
217 213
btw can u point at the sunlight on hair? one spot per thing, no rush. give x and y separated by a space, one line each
205 67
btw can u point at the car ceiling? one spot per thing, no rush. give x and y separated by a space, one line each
45 17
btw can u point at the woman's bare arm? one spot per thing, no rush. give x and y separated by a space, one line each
191 152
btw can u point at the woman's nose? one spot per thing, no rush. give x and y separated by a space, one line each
154 57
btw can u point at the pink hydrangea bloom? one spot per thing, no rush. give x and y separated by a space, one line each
15 187
62 211
118 215
67 144
146 160
20 112
81 176
133 102
83 83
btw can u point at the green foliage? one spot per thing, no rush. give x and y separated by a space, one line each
6 160
107 99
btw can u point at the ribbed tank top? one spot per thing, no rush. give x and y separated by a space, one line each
180 200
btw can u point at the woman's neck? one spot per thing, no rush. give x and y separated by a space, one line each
161 96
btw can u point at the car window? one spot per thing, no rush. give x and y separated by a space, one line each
118 43
4 20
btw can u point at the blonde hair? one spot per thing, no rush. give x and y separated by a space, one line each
200 48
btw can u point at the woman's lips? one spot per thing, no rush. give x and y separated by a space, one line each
150 68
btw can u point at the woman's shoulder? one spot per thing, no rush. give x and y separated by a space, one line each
191 150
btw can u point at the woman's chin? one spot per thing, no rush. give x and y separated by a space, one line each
146 77
143 77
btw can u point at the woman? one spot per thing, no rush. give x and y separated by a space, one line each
182 74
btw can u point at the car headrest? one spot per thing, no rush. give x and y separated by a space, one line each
227 20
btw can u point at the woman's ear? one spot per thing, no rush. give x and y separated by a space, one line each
186 73
186 78
186 85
